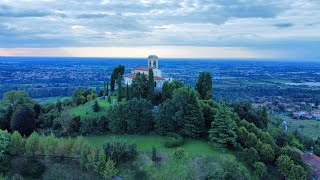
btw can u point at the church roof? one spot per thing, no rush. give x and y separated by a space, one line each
156 78
142 68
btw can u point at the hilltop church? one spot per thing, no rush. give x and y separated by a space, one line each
153 63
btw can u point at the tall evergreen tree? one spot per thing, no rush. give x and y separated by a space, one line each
199 84
94 93
222 132
104 89
154 154
151 85
139 117
168 88
114 76
204 85
96 106
119 87
37 108
208 86
109 99
139 86
112 82
127 94
107 92
194 122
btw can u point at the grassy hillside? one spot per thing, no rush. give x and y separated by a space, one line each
87 107
48 100
146 142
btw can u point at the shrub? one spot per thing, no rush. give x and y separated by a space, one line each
178 153
110 170
140 174
23 120
120 152
33 168
250 156
174 140
236 170
96 106
260 169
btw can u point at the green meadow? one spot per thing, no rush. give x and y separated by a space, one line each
145 143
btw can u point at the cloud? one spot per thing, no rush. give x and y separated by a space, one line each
283 25
81 23
7 11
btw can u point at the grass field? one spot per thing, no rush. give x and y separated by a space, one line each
309 128
87 107
48 100
146 142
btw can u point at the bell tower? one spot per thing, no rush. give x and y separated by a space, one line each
153 62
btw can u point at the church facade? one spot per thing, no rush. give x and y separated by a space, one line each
153 63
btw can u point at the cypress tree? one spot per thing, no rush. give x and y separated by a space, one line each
112 82
119 87
127 94
204 85
109 99
154 154
96 106
144 86
199 85
107 92
151 85
93 93
104 89
208 86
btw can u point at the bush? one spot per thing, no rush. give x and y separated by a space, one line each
236 170
260 169
23 120
33 168
120 152
174 140
96 106
179 153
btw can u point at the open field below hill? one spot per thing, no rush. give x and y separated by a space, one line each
48 100
309 128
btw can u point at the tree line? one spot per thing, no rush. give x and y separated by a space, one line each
176 108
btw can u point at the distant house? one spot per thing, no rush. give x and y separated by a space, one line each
311 159
316 114
314 161
300 114
153 63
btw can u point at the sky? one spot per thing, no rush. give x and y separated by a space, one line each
276 29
